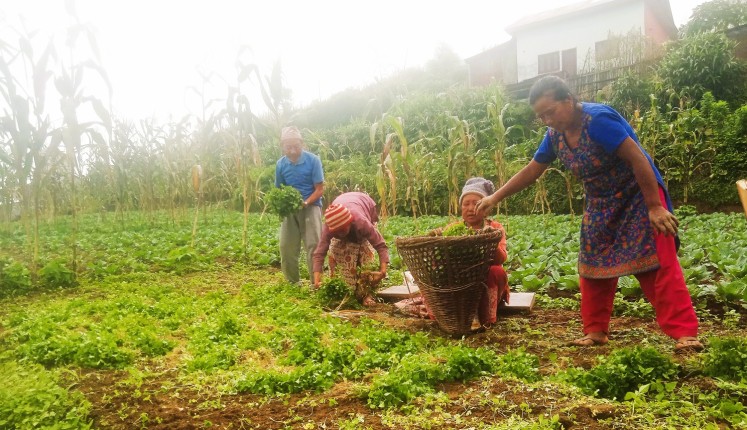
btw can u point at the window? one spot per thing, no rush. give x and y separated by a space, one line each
607 49
548 63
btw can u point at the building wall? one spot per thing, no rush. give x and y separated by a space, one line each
739 34
654 27
581 32
497 64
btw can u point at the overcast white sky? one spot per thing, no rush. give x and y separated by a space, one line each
153 48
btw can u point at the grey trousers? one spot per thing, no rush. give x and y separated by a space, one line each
306 226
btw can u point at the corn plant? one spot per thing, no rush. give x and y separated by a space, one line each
496 114
27 156
461 159
652 127
690 151
408 163
386 171
197 189
568 180
276 97
386 178
148 135
246 155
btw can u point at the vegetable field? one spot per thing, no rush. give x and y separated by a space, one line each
166 324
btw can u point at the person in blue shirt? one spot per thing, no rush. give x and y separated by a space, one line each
303 171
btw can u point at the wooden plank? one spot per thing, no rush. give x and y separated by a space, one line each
742 190
519 302
399 292
407 290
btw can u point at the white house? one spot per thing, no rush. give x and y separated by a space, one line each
572 39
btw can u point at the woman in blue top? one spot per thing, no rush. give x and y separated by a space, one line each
628 227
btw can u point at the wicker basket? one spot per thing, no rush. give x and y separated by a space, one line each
451 273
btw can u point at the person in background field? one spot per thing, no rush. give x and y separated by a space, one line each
628 227
351 237
474 190
303 171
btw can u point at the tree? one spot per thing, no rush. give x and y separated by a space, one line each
716 16
446 68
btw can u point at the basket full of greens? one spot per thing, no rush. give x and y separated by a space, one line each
450 270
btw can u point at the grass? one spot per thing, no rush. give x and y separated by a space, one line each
219 341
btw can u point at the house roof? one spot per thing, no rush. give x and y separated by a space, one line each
661 7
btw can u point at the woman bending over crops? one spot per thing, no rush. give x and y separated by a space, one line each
628 227
497 282
350 235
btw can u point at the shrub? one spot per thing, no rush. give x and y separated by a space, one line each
56 275
704 62
14 278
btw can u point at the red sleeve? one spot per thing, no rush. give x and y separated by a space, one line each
501 254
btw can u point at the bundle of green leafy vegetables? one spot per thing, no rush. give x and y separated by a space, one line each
284 201
333 291
458 229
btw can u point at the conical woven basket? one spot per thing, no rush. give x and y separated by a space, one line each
451 273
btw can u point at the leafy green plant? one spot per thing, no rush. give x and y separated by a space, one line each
633 308
457 229
149 341
414 376
215 341
56 274
520 364
733 290
307 345
32 398
333 292
685 211
284 201
14 278
100 349
313 376
463 364
417 374
726 358
624 371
